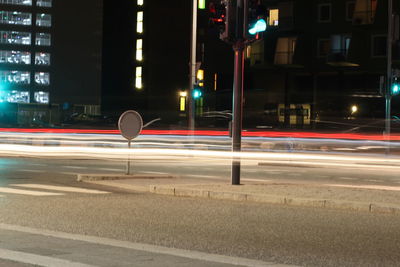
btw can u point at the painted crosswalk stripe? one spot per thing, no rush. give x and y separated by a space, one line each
38 260
61 188
27 192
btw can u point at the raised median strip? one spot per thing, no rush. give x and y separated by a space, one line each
100 177
357 198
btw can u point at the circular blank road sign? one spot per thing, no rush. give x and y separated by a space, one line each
130 124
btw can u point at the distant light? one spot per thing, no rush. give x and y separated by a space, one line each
196 93
183 93
395 89
354 109
202 4
259 26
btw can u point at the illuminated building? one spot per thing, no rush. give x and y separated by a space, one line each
50 59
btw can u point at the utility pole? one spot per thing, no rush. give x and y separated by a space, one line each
388 94
237 104
193 48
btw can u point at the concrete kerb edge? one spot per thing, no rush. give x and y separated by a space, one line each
182 191
276 199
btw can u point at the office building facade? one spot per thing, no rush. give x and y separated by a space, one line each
50 59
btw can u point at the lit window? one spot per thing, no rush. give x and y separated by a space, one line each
364 12
43 39
42 78
44 3
285 50
43 20
42 58
17 2
273 17
18 97
15 57
139 26
140 2
12 37
139 50
138 80
15 18
41 97
15 77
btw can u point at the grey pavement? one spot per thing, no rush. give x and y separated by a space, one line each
23 246
372 198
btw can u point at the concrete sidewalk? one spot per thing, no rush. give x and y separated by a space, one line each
368 198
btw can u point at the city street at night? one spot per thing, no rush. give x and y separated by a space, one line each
45 196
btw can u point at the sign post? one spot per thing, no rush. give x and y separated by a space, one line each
130 125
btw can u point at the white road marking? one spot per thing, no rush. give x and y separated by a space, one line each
38 260
196 255
375 187
205 176
155 172
347 178
256 180
61 188
375 181
37 164
68 173
112 169
27 192
75 167
26 170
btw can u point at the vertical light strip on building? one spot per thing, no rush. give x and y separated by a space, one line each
138 80
139 49
139 25
139 45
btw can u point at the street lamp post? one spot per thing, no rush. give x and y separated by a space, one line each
237 106
388 94
193 47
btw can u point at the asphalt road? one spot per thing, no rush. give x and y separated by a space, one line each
269 233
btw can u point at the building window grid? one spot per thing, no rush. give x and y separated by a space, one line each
23 57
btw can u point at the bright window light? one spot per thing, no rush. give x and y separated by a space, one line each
139 25
139 49
138 80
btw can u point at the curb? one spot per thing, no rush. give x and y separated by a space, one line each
105 177
276 199
182 191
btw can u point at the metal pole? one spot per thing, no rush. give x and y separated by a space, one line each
237 104
128 167
389 75
193 47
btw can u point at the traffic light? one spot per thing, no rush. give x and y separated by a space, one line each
256 19
395 90
223 16
197 93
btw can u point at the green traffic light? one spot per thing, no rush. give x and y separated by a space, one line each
395 88
196 93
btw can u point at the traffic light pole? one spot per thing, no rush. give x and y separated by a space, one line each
388 94
237 105
193 47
